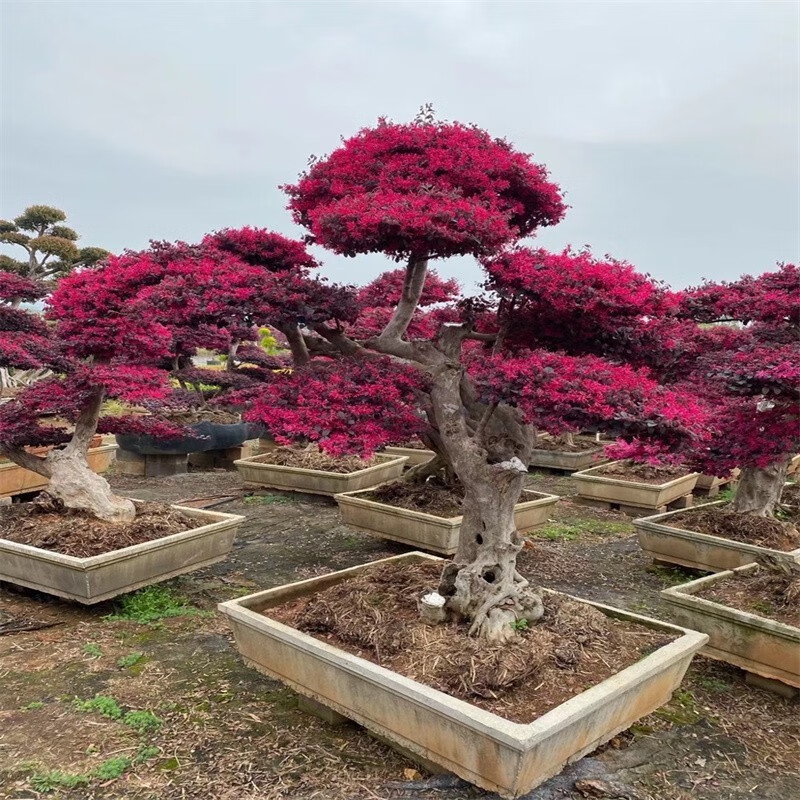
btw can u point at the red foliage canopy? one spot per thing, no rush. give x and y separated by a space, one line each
423 189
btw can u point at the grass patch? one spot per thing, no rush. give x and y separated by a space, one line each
671 576
682 709
713 684
92 649
130 660
33 706
151 604
267 499
140 721
100 704
573 529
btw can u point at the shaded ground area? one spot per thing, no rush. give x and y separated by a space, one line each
209 727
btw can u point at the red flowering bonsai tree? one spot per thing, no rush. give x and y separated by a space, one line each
474 380
122 331
748 364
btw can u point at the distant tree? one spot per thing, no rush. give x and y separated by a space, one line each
50 247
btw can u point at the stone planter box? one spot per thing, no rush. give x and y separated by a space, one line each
481 747
16 480
632 493
710 484
414 455
427 531
693 549
90 580
794 465
756 644
317 481
568 460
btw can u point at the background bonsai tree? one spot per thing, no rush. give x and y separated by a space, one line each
122 331
50 249
748 365
63 410
424 191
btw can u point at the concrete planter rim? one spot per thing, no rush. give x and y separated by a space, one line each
520 736
586 474
686 594
654 523
257 461
221 520
544 498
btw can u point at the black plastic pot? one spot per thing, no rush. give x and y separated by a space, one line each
205 436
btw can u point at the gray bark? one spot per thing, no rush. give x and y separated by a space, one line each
759 489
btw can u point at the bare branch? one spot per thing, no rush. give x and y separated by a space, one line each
414 283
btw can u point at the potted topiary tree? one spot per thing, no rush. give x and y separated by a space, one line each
475 631
747 364
79 539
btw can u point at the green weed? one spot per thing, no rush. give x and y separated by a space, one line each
92 649
130 660
151 604
267 499
33 706
100 704
142 721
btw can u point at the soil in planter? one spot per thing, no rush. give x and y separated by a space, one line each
431 497
580 444
216 415
747 528
315 459
413 444
374 616
641 473
790 504
73 533
761 592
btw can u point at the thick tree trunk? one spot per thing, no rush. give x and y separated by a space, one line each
759 489
233 347
482 584
72 482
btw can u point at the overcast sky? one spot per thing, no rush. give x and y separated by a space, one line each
672 127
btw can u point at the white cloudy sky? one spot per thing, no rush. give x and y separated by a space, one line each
673 127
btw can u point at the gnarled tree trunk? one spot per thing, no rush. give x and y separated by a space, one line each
481 583
72 482
760 488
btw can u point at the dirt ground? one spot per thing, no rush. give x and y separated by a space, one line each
214 729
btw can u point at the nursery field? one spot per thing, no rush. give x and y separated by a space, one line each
146 697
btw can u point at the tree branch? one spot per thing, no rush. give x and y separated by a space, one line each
414 283
86 424
297 344
26 460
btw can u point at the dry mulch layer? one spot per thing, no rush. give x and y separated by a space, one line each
748 528
579 444
642 473
315 459
763 592
74 533
431 497
374 615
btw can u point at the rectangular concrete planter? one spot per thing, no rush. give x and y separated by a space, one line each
632 493
693 549
567 459
479 746
90 580
316 481
794 465
16 480
414 455
428 531
708 483
759 645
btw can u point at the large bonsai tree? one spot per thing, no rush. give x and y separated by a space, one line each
748 364
473 378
